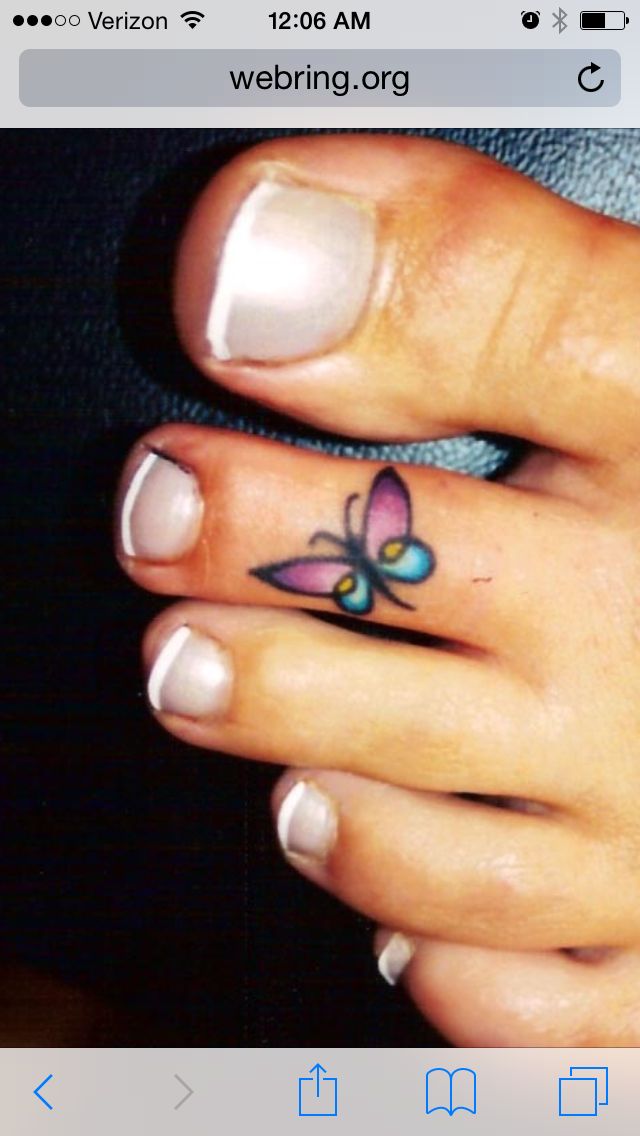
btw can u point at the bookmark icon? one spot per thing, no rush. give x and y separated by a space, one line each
451 1090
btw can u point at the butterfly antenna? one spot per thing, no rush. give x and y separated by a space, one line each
348 508
323 535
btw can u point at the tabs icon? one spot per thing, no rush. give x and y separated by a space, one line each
584 1091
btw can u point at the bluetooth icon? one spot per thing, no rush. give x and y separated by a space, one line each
560 20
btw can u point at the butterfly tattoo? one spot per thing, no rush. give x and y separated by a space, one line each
384 551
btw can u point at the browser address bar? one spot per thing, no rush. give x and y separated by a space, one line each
363 78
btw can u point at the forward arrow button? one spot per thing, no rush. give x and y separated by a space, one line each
185 1098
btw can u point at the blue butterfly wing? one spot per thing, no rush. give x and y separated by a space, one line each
414 564
359 599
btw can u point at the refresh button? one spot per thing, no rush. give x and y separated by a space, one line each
590 69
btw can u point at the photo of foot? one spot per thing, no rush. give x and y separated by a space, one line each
322 672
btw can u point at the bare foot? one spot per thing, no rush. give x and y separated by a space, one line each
397 289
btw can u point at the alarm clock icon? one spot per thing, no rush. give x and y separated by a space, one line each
530 20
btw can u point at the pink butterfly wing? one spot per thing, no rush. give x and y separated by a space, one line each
312 576
388 512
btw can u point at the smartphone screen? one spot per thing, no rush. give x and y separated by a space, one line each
321 393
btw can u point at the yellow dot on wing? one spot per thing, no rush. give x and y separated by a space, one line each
392 550
346 584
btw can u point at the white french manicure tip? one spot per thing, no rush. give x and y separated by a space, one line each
191 677
287 809
131 496
233 261
293 276
163 664
395 957
307 822
162 510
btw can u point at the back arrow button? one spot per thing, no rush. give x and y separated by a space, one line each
38 1094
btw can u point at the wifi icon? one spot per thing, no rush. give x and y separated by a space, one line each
192 18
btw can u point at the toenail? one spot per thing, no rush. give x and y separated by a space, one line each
395 957
307 823
162 510
191 676
294 274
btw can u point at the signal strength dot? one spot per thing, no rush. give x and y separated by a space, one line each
192 18
32 21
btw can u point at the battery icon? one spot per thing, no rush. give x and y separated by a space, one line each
603 21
